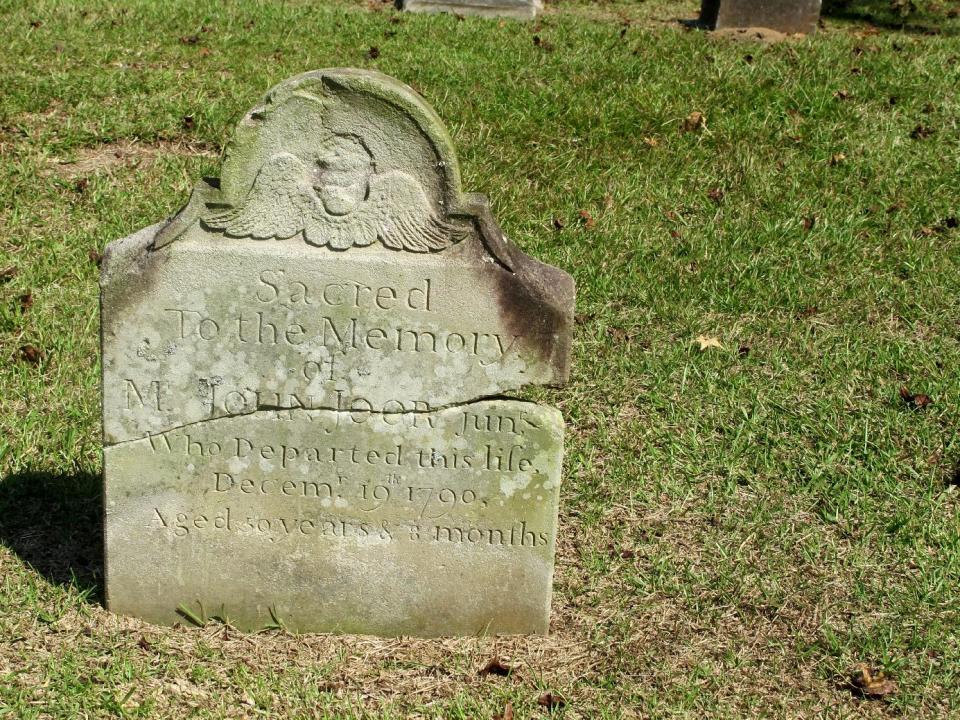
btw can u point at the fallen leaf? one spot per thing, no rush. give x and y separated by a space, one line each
914 400
694 122
81 185
187 122
247 700
507 713
871 683
144 644
558 224
716 195
373 53
809 222
706 342
495 666
921 132
842 95
651 142
8 273
837 158
96 257
204 52
618 334
26 301
31 354
189 39
809 311
551 700
587 219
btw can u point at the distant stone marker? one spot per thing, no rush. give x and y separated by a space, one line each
786 16
303 378
517 9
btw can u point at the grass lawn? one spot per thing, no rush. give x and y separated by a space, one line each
740 525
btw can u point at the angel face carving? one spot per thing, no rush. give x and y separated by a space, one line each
343 175
339 201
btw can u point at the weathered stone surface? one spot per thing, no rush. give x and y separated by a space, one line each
517 9
303 374
786 16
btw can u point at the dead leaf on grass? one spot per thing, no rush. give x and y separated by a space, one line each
809 222
587 219
96 257
26 301
651 142
558 224
837 158
694 122
496 666
8 274
31 354
921 132
871 683
373 53
914 400
551 700
707 342
507 713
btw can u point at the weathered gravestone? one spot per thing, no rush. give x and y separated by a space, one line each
786 16
303 378
517 9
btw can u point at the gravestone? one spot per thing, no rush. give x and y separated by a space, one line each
306 417
517 9
786 16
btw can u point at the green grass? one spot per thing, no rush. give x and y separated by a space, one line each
740 526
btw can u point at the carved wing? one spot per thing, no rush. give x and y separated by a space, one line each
276 206
405 218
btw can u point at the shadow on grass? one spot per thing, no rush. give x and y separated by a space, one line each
54 522
917 17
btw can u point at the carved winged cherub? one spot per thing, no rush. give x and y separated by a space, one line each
340 201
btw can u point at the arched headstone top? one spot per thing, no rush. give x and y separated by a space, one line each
341 158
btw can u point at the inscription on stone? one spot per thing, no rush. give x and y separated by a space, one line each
305 379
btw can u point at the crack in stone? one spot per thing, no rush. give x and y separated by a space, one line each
266 407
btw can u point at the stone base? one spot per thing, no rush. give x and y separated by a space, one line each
516 9
786 16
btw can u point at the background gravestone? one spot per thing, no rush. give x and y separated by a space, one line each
517 9
786 16
303 378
